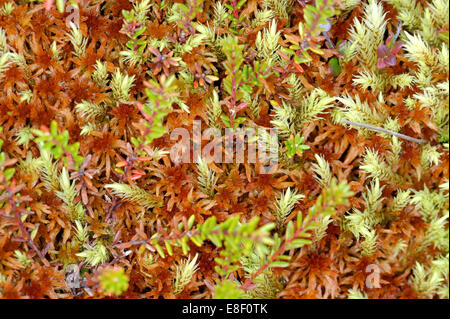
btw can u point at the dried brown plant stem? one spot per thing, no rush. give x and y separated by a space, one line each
376 128
18 211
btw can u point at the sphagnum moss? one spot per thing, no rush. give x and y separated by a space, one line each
91 194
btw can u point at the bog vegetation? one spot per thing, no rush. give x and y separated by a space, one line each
93 206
